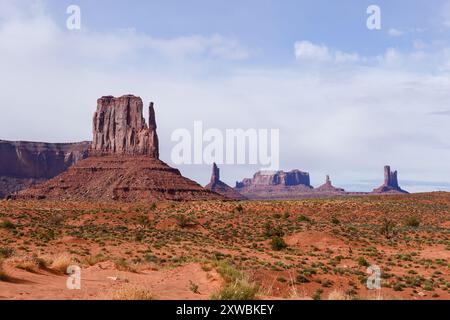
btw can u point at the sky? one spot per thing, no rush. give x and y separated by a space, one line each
347 100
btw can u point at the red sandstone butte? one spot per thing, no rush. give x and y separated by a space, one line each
123 162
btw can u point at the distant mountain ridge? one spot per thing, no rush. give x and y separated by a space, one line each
24 163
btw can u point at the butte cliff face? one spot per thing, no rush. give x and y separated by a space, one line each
275 185
119 127
390 184
123 163
278 178
23 164
218 186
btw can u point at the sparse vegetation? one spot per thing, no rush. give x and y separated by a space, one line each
404 235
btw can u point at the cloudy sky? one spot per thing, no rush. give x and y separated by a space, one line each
347 100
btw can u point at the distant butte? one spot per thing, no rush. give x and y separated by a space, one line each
328 186
390 184
222 188
123 162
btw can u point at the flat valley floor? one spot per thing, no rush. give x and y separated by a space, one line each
306 249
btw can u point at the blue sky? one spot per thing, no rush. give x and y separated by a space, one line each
268 26
347 100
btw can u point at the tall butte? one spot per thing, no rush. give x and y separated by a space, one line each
220 187
123 162
390 184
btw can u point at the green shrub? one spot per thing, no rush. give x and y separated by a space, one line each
413 222
302 218
278 243
6 252
241 289
6 224
362 262
335 220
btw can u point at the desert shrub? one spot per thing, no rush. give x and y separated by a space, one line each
388 228
93 260
183 221
303 218
228 272
362 262
338 295
153 206
335 220
132 293
241 289
239 208
7 224
30 263
6 252
193 287
318 294
412 222
61 262
397 286
150 258
4 276
237 285
271 231
56 219
278 243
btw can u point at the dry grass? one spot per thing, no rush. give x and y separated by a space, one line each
338 295
61 262
28 263
132 293
4 276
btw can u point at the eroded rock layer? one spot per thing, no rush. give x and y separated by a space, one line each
23 164
121 178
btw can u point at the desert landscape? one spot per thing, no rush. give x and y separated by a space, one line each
303 249
136 229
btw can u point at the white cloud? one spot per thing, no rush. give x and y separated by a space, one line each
308 51
395 32
346 57
305 50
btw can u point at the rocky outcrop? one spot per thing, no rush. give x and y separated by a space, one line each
123 163
390 184
119 127
23 164
216 185
278 178
328 187
275 185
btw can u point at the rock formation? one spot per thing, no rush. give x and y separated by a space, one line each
278 178
222 188
123 162
23 164
390 184
275 185
328 187
119 128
